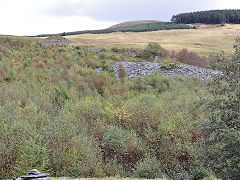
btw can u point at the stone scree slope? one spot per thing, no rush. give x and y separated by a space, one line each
141 69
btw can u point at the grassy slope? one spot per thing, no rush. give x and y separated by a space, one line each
205 40
131 23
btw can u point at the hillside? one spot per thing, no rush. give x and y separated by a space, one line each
205 40
131 23
131 27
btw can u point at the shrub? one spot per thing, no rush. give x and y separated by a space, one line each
199 174
139 85
77 47
123 145
62 49
154 49
148 168
33 154
101 82
222 127
122 73
60 96
159 82
104 65
191 58
81 158
169 64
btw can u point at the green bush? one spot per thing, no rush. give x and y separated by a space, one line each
222 127
169 63
62 49
33 154
123 145
139 85
148 168
159 82
154 49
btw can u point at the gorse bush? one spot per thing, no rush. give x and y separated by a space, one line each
169 63
60 116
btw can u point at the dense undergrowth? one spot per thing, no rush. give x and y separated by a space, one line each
58 115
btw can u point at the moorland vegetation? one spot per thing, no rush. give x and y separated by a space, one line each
57 114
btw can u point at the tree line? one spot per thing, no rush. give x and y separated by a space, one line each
208 17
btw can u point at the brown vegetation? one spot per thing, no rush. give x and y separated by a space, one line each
191 58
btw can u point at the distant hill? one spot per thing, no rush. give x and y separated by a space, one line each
134 26
131 23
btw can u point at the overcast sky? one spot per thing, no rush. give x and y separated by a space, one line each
31 17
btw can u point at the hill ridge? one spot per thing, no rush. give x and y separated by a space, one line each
131 23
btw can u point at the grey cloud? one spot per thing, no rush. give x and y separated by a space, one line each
123 10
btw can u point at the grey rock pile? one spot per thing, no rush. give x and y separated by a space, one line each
96 49
56 42
56 39
141 69
34 174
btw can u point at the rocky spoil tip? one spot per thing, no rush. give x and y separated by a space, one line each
141 69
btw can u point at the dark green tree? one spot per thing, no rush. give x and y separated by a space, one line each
208 17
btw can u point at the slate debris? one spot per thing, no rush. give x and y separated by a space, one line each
34 174
141 69
97 49
56 39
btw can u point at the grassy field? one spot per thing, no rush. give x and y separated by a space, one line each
206 40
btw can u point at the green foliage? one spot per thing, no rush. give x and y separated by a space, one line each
60 116
149 168
33 154
169 63
139 85
159 83
152 50
60 96
222 127
209 17
199 174
123 145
